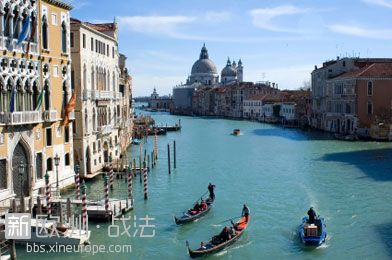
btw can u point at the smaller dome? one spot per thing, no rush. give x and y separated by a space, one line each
229 70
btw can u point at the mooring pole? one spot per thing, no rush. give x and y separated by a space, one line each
175 157
168 158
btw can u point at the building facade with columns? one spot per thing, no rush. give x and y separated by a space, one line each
34 92
96 78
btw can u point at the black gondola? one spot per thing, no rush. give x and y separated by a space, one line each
211 248
186 217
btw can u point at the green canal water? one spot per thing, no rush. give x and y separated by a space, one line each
279 173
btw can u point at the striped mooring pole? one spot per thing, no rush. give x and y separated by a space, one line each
145 180
84 205
106 192
77 182
111 173
48 195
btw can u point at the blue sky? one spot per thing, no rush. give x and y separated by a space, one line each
279 41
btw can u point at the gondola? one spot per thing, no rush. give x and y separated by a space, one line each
186 217
136 141
313 234
211 248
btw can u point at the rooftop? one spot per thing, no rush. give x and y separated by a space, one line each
60 3
373 70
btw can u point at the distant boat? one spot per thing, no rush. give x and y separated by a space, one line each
136 141
236 132
346 137
212 246
191 216
313 234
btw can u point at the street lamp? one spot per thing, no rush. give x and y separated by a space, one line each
22 168
57 163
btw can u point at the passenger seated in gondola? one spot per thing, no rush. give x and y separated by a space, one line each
196 208
203 205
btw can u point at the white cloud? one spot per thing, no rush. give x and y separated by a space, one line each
263 17
358 31
382 3
166 25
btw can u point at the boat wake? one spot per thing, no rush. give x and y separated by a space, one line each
233 248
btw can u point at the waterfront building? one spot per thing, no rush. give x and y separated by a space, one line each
288 111
253 107
35 97
162 103
359 102
320 76
100 111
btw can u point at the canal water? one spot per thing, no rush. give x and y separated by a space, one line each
279 173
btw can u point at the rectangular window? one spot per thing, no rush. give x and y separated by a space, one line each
96 46
370 108
49 164
107 50
72 40
84 41
66 134
3 174
67 159
113 52
38 166
104 48
54 19
48 136
92 44
56 71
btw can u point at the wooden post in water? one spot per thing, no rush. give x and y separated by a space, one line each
69 212
175 157
39 206
168 158
152 160
148 161
155 146
134 167
140 157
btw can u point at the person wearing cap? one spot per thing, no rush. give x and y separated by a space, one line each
312 215
245 213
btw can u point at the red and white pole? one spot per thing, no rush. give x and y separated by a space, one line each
84 206
111 174
130 183
106 190
77 182
145 183
48 195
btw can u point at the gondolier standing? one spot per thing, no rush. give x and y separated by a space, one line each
245 213
211 188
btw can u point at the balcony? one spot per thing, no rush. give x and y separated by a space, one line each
50 116
21 48
21 118
105 130
102 95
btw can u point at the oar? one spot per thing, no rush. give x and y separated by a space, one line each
230 219
201 197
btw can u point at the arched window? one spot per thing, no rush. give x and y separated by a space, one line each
45 36
86 120
10 86
19 96
94 120
36 95
28 96
3 96
370 88
47 95
92 78
65 94
16 24
7 21
63 37
84 77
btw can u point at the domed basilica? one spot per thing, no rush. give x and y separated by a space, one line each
204 71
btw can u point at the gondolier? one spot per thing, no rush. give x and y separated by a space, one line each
245 212
211 188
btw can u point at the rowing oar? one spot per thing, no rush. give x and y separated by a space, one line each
201 197
230 219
